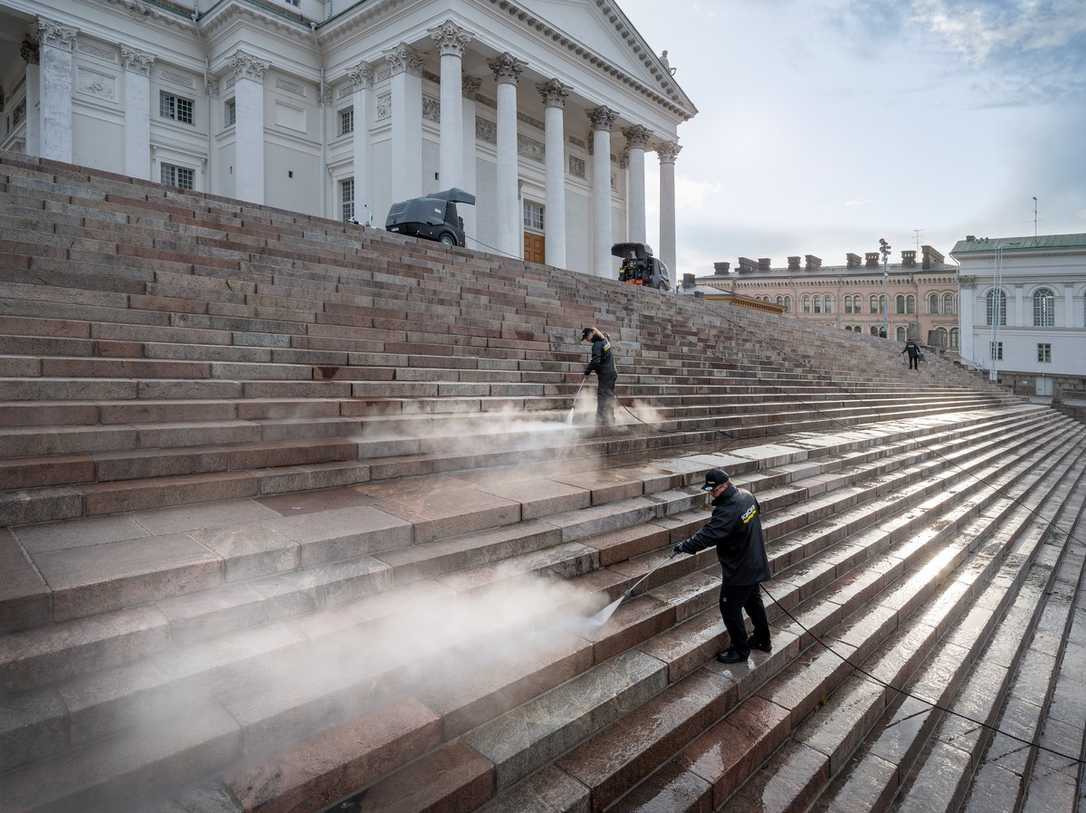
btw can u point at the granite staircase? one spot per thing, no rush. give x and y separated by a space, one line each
294 517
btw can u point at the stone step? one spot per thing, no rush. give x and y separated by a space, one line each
719 763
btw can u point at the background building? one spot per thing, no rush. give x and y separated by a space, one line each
910 299
1023 312
544 110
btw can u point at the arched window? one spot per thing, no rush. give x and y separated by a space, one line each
884 305
940 337
780 301
848 306
996 307
902 334
954 341
1044 308
806 304
874 330
933 303
787 304
899 304
949 306
827 304
874 304
910 304
817 304
848 328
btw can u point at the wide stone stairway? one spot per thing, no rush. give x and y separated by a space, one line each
296 516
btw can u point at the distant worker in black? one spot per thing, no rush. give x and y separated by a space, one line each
913 349
603 365
736 530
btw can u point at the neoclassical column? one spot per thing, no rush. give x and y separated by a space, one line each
507 70
361 77
668 151
451 39
470 86
249 130
603 119
29 52
405 88
637 141
137 112
967 306
55 43
554 95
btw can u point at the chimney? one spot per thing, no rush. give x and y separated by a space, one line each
931 256
970 238
720 269
908 259
813 262
793 263
689 280
747 265
853 260
764 263
871 259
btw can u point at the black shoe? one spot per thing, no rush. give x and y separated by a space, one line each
733 656
761 644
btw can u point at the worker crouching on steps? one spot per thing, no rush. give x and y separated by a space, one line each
736 530
603 365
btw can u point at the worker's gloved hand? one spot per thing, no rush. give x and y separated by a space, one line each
675 551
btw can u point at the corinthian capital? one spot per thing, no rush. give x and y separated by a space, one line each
637 137
247 66
602 118
402 59
553 92
451 38
668 151
507 68
54 34
136 61
361 76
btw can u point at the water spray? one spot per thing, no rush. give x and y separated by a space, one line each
572 409
604 615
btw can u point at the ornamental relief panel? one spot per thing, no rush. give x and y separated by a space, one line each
100 51
486 130
531 148
290 86
384 106
431 108
176 79
97 84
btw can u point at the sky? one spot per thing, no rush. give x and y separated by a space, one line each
827 124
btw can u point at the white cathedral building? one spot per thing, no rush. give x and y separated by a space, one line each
544 109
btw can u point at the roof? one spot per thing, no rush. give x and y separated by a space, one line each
831 271
1041 242
701 289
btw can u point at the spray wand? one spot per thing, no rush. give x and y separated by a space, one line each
604 615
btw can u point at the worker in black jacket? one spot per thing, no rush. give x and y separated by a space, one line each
913 349
736 530
603 365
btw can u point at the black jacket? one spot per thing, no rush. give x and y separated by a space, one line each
603 362
736 530
912 349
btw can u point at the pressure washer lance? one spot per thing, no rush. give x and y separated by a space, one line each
604 615
569 417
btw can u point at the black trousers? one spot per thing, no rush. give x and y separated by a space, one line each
913 363
605 399
733 600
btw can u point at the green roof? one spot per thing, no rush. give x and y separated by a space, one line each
1043 241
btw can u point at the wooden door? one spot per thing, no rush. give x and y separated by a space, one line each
535 248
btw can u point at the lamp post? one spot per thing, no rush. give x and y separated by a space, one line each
884 249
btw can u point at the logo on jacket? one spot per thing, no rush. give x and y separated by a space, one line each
749 514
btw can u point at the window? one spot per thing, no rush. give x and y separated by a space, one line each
902 334
827 304
949 305
295 3
940 337
181 177
817 304
533 215
230 112
806 304
848 328
346 199
955 342
933 303
910 304
996 307
1044 353
874 304
848 305
995 350
900 304
787 304
874 330
1044 308
346 120
780 301
174 107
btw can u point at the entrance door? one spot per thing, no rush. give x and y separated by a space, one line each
535 248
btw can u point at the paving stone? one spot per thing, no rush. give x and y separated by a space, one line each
25 598
32 725
549 790
89 531
205 515
343 533
452 778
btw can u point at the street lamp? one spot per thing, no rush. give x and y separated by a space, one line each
884 249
